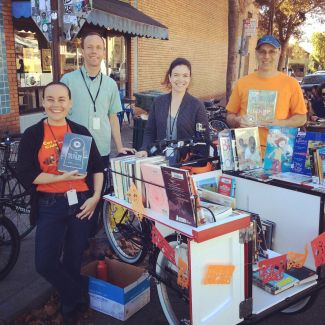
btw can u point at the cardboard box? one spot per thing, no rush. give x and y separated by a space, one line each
126 292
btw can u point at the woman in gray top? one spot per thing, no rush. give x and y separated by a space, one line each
174 116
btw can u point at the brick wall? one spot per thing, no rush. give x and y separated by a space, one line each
197 32
9 118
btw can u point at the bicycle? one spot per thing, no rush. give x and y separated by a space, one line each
216 116
18 211
9 241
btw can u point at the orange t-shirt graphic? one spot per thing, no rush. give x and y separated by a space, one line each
48 157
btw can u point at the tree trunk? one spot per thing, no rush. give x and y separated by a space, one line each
233 22
283 55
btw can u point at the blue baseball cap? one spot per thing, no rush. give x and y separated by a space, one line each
268 39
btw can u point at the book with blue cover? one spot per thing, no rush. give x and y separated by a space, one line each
300 159
75 153
279 148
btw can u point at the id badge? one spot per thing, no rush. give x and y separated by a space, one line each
96 123
72 197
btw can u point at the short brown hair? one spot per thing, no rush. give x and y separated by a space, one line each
90 34
175 63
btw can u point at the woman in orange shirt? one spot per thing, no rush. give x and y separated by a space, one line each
63 202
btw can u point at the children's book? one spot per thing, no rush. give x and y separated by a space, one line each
214 212
75 153
268 228
279 148
208 181
154 185
261 105
180 198
293 178
225 150
300 158
226 186
320 154
259 174
275 287
248 148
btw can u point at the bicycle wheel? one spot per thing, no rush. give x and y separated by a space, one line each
215 126
19 207
9 246
125 233
301 305
174 300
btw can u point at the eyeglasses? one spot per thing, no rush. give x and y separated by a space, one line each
264 52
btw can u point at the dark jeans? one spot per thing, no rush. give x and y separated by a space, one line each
58 230
94 219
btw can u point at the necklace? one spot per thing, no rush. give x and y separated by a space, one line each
55 139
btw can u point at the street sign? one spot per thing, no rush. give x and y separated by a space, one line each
250 26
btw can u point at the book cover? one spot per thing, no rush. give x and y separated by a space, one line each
275 287
218 198
154 185
213 211
261 105
225 150
75 153
268 228
303 274
259 174
293 178
180 199
300 158
320 153
248 148
226 186
279 148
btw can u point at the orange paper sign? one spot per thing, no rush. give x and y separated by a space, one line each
182 278
318 247
136 201
219 274
296 260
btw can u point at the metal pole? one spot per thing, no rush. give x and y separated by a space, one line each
55 46
241 48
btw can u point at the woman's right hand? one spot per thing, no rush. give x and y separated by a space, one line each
141 154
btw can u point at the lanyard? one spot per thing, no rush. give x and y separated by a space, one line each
171 126
100 84
56 141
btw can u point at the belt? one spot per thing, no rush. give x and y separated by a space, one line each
64 194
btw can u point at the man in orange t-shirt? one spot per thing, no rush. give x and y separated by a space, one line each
290 108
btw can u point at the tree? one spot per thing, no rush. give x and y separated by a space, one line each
235 7
318 52
283 19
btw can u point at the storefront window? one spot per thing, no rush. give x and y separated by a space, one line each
70 54
34 71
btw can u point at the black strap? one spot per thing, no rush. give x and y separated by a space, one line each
100 84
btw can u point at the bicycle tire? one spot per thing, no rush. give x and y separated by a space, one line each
125 233
19 207
217 125
9 246
173 299
301 305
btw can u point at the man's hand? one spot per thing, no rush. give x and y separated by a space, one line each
142 154
125 150
246 121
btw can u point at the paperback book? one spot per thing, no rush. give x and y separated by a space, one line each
300 158
293 178
180 198
261 105
259 174
248 148
279 148
214 212
226 186
225 150
75 153
303 274
154 185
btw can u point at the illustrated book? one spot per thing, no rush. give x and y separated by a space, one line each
75 153
279 148
300 158
303 274
225 150
261 105
248 148
226 186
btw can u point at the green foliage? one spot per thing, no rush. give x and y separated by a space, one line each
318 52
